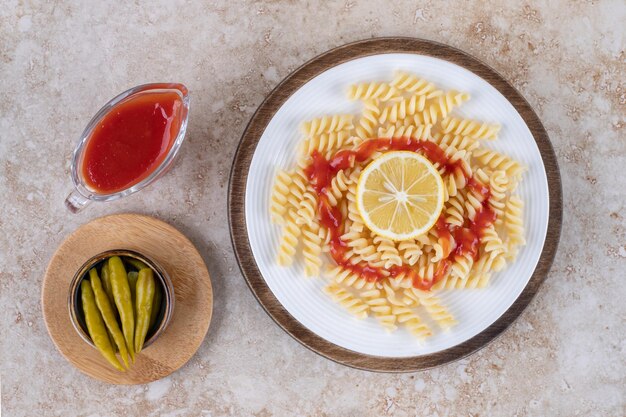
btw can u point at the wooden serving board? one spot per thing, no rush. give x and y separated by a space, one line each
169 248
239 177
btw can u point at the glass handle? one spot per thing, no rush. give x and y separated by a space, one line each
75 202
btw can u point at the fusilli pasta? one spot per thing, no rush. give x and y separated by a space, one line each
327 124
470 128
278 198
366 91
480 228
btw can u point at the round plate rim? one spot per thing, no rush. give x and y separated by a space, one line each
239 175
46 308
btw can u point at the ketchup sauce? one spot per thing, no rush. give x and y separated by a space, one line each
466 239
131 141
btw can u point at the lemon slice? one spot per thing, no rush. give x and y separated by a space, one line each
400 195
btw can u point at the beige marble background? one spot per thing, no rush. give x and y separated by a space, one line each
60 61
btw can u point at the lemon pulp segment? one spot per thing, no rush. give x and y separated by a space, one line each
400 195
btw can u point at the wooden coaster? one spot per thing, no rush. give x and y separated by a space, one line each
158 241
239 177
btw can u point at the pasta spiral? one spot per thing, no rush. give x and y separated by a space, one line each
473 203
411 251
354 217
327 124
311 249
346 277
351 303
479 275
366 91
459 142
307 213
325 142
495 247
362 246
409 82
461 266
368 121
388 251
412 321
278 198
422 131
380 308
403 108
289 240
498 184
433 306
297 188
471 128
514 225
438 108
338 187
455 210
497 161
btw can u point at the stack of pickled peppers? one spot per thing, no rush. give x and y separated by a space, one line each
120 307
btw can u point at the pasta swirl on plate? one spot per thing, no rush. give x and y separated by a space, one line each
480 228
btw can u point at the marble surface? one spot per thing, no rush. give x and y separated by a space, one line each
60 61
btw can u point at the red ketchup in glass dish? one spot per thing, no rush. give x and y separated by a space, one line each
131 141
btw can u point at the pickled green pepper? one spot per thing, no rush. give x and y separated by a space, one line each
143 305
112 341
156 304
132 282
106 283
102 301
95 325
136 263
123 301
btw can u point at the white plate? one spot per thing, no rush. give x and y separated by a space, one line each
302 297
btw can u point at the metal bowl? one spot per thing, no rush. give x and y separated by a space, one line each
167 305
